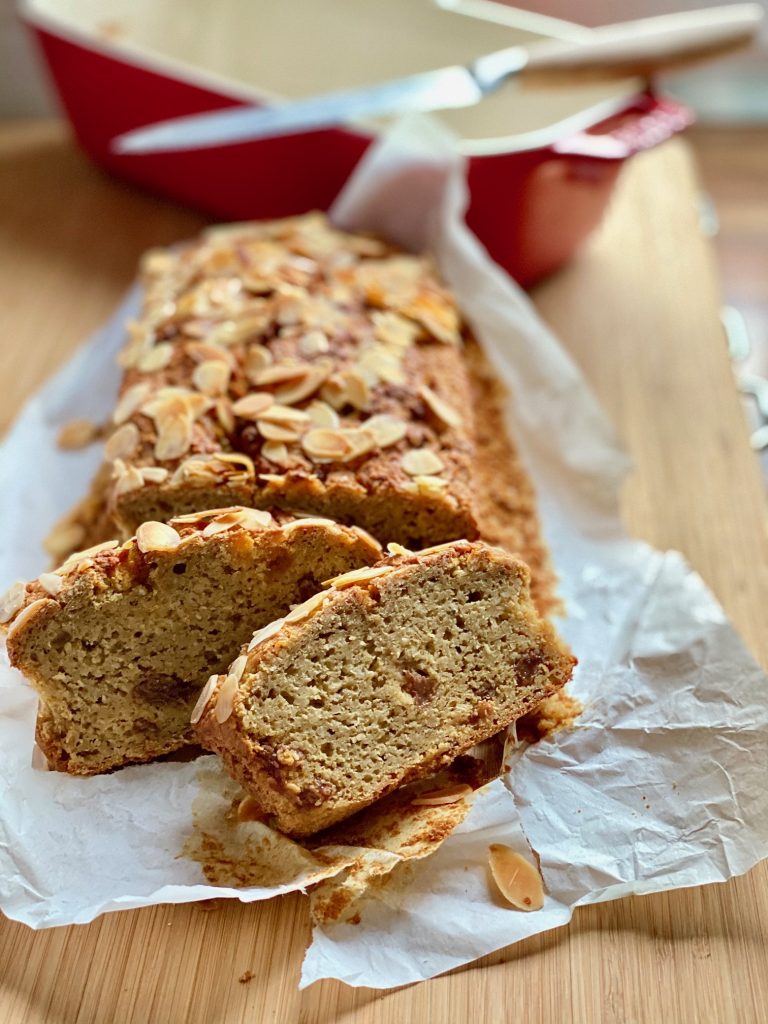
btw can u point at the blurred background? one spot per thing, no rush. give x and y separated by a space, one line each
730 98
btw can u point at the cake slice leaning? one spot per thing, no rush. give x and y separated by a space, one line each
119 641
381 679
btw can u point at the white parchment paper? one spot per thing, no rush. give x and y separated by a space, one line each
660 784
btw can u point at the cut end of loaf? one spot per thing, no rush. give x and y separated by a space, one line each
386 676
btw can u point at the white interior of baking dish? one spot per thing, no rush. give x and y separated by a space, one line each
256 49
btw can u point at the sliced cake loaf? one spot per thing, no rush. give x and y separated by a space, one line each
119 641
383 678
289 364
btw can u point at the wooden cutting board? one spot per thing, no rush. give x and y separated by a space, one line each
639 312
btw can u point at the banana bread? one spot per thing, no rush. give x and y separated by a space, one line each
119 641
380 680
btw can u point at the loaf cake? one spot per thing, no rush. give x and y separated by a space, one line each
119 641
381 679
288 364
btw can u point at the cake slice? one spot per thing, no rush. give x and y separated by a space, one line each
119 640
381 679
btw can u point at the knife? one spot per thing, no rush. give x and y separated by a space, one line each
613 51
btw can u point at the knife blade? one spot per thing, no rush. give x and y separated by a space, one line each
613 51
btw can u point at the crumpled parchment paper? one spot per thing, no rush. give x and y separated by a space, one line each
660 784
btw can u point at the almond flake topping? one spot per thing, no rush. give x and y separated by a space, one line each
153 536
155 358
77 434
263 634
357 576
122 444
12 600
211 377
275 451
323 443
430 484
322 415
51 582
202 700
253 406
153 474
519 882
280 373
284 414
225 702
438 797
253 519
274 432
26 613
63 538
397 549
237 668
303 387
257 358
444 412
130 401
386 429
309 607
299 524
312 343
127 478
421 462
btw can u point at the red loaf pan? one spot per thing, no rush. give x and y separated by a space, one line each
541 163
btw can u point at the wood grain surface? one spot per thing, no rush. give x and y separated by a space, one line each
639 312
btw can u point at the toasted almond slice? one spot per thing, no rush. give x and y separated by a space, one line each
26 613
444 412
299 524
51 582
211 377
257 358
430 484
323 443
225 415
280 373
63 538
12 600
174 437
383 364
232 333
313 342
386 429
153 474
122 444
263 634
253 406
225 701
357 576
303 387
77 434
285 415
421 462
254 519
202 700
322 415
130 401
361 441
156 358
243 462
397 549
203 352
275 432
127 478
519 882
154 536
307 608
446 795
357 390
237 668
275 451
394 330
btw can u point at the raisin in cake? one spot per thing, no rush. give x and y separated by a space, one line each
381 679
119 641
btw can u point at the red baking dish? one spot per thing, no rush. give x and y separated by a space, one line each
541 163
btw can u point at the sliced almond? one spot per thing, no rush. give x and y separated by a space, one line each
444 412
253 406
231 333
281 373
313 342
361 441
386 429
77 434
202 700
130 401
153 474
225 415
127 478
275 451
446 795
358 392
237 668
383 364
430 484
153 536
26 613
12 600
63 538
174 437
211 377
243 463
156 358
519 881
203 351
394 330
397 549
275 432
254 519
225 701
323 443
299 524
51 582
123 443
263 634
357 576
257 358
322 415
285 415
307 608
421 462
303 387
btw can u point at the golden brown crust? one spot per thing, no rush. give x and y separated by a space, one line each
279 773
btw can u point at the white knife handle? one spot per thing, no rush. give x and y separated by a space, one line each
643 47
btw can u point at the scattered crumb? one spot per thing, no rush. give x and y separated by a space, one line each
355 919
557 712
245 977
